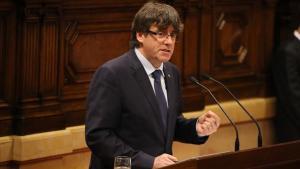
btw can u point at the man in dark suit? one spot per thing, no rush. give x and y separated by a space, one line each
286 75
134 101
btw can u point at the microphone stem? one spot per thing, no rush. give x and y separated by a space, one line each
259 137
237 142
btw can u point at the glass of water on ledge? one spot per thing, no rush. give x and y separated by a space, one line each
122 162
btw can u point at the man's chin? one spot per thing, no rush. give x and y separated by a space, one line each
165 58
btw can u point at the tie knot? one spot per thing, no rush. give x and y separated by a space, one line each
156 74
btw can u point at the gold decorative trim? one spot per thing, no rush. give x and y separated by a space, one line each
41 145
260 108
23 148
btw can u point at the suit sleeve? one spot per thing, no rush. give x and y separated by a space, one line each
293 78
102 119
186 131
186 128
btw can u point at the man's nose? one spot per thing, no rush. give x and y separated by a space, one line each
168 39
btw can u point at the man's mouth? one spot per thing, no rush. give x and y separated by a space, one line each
166 50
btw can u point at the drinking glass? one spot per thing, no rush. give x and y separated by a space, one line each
122 162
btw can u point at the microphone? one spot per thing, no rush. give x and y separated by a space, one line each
259 137
237 141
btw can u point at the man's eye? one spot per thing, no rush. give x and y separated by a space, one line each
173 35
160 34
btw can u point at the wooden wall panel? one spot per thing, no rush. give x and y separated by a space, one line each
90 41
51 48
233 46
87 48
232 41
7 65
38 92
2 55
188 60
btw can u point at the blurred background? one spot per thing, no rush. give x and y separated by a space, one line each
49 50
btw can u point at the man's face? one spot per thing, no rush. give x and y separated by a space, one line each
157 45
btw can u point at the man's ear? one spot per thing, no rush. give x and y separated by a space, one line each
140 37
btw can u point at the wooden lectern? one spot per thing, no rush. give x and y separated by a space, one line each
279 156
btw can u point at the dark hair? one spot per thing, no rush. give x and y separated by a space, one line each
154 13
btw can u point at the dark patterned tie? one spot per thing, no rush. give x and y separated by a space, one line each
161 99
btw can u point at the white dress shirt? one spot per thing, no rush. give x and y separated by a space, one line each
149 68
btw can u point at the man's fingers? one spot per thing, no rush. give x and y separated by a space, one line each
207 124
214 115
164 160
211 116
174 159
169 157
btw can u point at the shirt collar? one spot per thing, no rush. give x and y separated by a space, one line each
149 68
297 34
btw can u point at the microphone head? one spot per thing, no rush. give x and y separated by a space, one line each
205 76
193 79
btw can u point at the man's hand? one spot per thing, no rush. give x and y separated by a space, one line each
164 160
207 124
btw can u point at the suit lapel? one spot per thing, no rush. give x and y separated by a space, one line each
169 80
143 81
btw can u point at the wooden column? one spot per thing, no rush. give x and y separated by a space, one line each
7 65
38 71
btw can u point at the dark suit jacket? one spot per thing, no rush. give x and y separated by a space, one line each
123 115
286 75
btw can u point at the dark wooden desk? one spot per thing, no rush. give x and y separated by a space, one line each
279 156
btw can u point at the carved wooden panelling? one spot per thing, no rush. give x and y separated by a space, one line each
38 85
30 60
232 41
90 41
7 48
234 46
49 62
2 53
186 55
50 49
232 38
5 116
90 45
39 63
